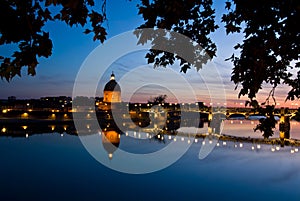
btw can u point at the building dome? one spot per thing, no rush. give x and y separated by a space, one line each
112 85
112 91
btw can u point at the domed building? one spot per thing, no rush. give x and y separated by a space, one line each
111 94
112 91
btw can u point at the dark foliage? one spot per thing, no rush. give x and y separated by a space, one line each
22 23
194 19
158 99
267 125
271 45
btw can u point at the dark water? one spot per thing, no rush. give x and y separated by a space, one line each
55 167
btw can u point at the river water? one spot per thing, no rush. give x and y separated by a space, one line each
56 166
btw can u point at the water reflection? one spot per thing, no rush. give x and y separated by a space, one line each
110 141
238 132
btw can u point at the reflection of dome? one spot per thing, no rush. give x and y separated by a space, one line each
110 142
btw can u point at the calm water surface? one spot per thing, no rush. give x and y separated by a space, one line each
54 167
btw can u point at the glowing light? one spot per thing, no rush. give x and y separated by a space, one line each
126 133
231 122
196 140
210 142
26 135
224 143
235 146
61 135
3 130
4 111
258 146
182 139
218 144
24 114
241 145
65 128
170 137
296 149
88 126
30 110
277 148
175 139
203 143
52 128
65 115
162 138
241 122
252 148
24 127
272 149
292 151
158 136
189 141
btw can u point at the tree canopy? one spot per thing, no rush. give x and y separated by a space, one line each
22 23
268 53
158 99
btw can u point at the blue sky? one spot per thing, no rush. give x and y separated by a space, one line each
56 75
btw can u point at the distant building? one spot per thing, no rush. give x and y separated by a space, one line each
111 94
112 91
11 98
